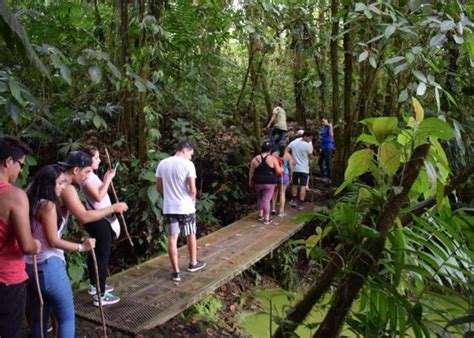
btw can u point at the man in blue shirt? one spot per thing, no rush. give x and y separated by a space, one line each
327 147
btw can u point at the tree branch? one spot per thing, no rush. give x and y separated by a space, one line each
368 256
421 208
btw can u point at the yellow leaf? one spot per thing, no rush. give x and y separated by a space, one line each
389 157
419 112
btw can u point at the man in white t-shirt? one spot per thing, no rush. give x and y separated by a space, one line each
176 181
302 152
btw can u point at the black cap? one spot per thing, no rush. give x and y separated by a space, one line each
77 158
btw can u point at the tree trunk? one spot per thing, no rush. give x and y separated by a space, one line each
266 92
450 81
127 121
321 61
298 73
340 166
99 24
254 76
244 84
343 254
124 32
313 295
256 125
322 88
338 141
142 96
366 260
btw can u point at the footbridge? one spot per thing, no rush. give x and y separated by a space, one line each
149 297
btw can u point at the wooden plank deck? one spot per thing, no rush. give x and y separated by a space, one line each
148 295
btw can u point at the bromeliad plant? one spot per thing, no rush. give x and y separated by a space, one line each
400 256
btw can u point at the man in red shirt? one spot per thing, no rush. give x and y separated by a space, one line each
15 238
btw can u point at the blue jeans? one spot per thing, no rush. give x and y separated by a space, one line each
57 296
325 162
281 136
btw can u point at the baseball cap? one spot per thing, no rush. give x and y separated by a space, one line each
77 158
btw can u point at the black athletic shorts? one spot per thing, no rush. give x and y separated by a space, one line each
300 179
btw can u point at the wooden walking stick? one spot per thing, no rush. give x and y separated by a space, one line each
98 292
40 295
116 198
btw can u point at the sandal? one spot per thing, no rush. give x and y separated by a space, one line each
260 219
269 221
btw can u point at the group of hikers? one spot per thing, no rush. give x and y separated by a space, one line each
32 224
278 164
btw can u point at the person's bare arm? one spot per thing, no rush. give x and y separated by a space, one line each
252 171
331 131
159 185
192 187
291 163
310 153
20 221
74 205
98 194
271 121
47 216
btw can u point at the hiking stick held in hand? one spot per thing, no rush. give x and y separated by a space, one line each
116 198
40 295
98 292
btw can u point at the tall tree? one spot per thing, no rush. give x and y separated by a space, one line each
338 135
298 48
347 125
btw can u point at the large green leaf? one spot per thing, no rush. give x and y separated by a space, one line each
389 157
366 138
13 111
359 163
65 74
419 111
382 127
152 194
16 91
433 126
95 73
149 176
75 272
13 32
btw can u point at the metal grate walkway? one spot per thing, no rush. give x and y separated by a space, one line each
148 295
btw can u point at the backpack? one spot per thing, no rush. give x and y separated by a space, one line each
280 163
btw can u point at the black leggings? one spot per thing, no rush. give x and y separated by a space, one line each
100 230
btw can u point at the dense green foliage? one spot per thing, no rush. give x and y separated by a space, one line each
136 76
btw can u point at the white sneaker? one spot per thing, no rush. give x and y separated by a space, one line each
107 299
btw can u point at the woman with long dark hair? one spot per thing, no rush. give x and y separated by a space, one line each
263 168
78 168
48 222
97 197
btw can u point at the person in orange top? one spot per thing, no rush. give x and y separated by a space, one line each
15 238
